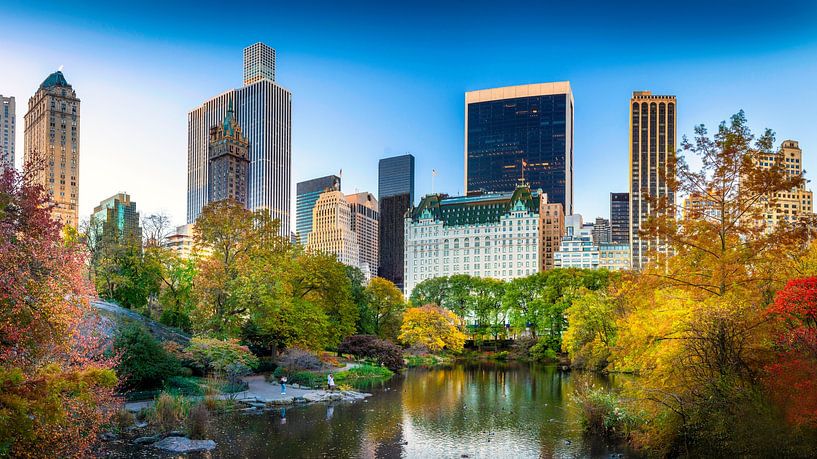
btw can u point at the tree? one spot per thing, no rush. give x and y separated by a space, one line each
524 300
432 327
143 363
155 229
488 307
384 308
56 386
592 330
430 291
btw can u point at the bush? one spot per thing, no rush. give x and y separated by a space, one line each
209 354
198 422
521 347
298 359
168 411
540 352
143 362
122 419
502 355
384 352
183 385
603 413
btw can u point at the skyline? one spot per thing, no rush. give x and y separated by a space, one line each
355 101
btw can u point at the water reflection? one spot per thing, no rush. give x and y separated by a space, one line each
479 410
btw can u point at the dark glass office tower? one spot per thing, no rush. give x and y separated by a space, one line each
526 127
396 196
396 176
620 217
306 195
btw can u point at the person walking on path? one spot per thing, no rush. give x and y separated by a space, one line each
331 381
283 385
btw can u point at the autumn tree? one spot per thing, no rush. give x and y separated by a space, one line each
56 387
384 308
432 327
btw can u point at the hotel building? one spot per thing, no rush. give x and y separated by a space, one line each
486 235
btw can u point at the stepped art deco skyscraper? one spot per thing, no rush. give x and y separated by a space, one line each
52 135
521 132
263 109
652 153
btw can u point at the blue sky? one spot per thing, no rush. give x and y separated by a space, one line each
371 79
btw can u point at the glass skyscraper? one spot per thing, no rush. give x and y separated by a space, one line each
264 111
7 131
396 176
306 195
520 132
620 217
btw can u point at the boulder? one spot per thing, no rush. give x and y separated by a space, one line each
108 436
147 440
184 445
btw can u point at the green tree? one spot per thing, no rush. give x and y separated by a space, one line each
143 363
384 308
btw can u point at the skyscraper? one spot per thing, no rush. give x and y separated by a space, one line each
229 161
7 131
396 194
396 176
366 225
332 229
652 149
784 206
306 195
601 231
118 219
620 217
521 131
263 109
52 135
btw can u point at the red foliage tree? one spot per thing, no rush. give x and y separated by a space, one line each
56 386
792 378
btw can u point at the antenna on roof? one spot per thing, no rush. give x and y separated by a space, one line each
433 174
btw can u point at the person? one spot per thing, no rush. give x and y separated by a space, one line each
331 381
283 385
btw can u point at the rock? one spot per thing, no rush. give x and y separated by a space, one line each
175 433
108 436
281 401
299 400
317 396
140 424
184 445
147 440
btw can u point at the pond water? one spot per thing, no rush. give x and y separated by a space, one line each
468 410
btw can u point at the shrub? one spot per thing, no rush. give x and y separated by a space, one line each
183 385
122 419
540 352
168 411
384 352
603 413
521 347
298 359
502 355
208 354
363 376
198 422
143 362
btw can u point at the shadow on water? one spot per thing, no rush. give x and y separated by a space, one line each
479 410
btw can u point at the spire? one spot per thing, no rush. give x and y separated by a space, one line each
229 124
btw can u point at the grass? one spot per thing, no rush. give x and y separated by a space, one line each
363 376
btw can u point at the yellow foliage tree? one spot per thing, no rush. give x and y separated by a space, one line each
432 327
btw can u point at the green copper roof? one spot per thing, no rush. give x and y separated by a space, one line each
475 210
55 79
229 121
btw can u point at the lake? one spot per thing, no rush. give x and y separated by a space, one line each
479 410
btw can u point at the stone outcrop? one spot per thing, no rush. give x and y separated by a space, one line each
184 445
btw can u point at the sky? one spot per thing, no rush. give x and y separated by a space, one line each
375 79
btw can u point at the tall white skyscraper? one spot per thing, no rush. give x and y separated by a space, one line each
7 131
264 110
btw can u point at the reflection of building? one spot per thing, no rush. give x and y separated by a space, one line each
652 147
787 206
263 109
620 218
366 226
526 127
332 228
395 192
229 161
7 131
306 195
484 235
52 134
602 233
118 219
551 230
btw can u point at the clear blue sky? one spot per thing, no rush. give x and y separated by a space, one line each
371 79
